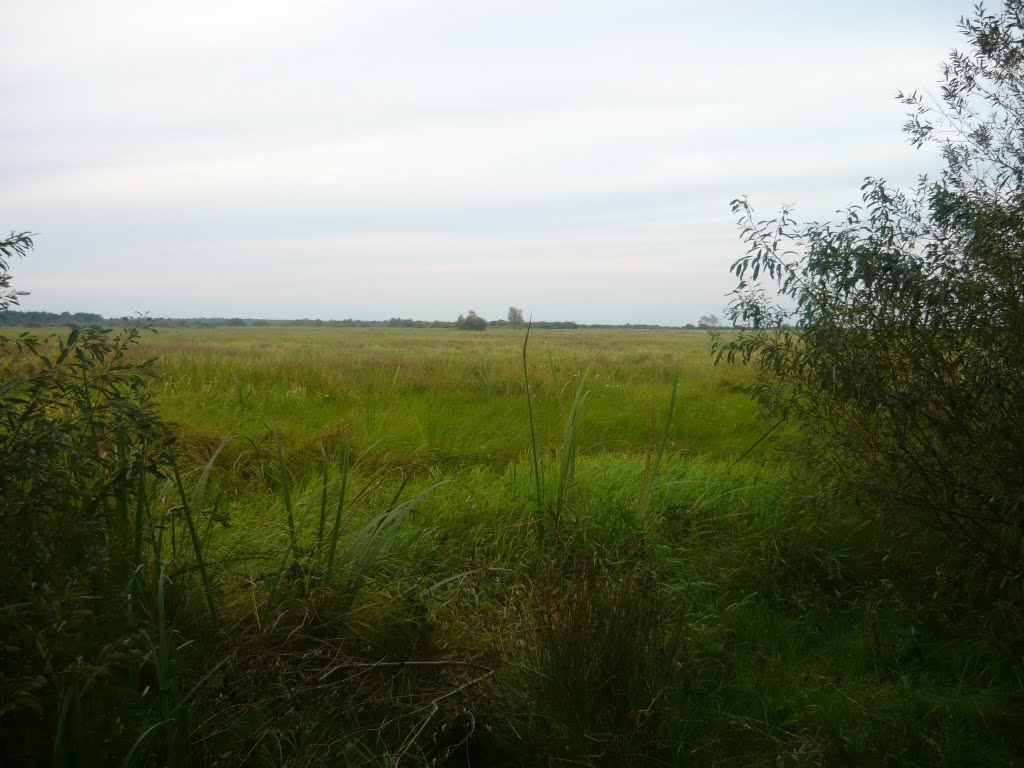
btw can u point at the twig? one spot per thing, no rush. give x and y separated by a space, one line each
434 709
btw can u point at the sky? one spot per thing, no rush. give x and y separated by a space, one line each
396 158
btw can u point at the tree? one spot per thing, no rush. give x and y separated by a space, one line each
515 317
471 322
709 321
894 336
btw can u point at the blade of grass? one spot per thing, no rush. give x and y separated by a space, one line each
645 494
567 473
196 544
285 491
325 469
336 531
533 427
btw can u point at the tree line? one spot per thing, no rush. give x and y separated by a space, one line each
469 321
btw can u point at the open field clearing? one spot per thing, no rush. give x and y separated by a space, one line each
449 398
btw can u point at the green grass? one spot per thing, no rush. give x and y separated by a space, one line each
445 397
711 612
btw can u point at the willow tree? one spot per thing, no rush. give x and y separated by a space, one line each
895 336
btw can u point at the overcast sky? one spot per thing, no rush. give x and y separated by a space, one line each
381 158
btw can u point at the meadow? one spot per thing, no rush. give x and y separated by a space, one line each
404 555
447 398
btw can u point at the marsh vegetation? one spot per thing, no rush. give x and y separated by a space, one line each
352 557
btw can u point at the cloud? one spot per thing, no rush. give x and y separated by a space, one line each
522 143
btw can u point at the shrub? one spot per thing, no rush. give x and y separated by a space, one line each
894 335
471 322
79 436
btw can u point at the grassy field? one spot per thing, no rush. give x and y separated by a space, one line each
404 572
448 398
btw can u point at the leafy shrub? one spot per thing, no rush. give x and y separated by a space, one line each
471 322
79 436
894 336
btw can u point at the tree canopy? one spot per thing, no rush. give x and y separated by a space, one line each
471 322
515 317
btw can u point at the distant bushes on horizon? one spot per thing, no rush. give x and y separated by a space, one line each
40 319
37 319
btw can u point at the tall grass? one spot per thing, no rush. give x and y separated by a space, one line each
429 403
382 597
651 468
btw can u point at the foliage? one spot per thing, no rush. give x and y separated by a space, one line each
79 440
709 321
515 317
895 335
16 244
471 322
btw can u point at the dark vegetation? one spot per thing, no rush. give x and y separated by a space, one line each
471 322
859 605
897 341
36 319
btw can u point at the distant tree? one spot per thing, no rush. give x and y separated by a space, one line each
709 321
471 322
515 316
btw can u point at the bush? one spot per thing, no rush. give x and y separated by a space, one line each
471 322
79 437
894 336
